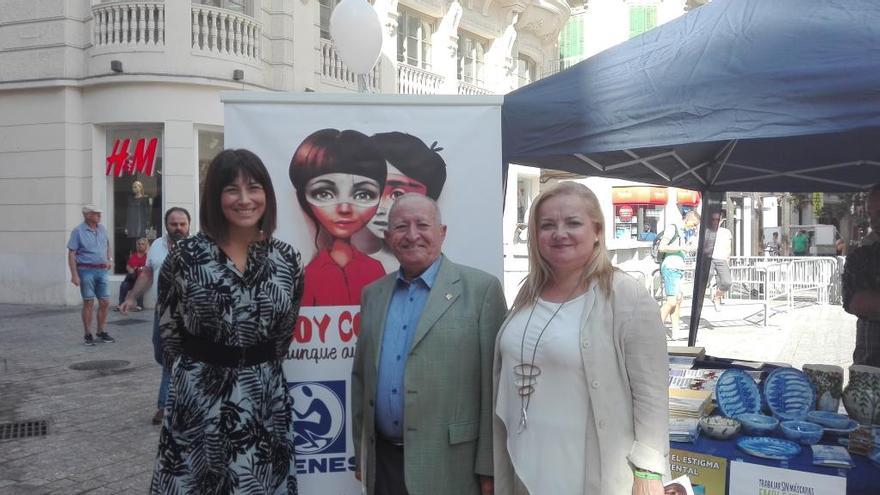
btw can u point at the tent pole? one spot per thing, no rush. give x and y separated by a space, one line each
711 203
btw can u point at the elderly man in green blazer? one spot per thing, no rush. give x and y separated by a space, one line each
422 374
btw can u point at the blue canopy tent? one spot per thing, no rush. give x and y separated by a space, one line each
737 95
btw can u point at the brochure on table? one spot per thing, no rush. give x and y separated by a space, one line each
756 479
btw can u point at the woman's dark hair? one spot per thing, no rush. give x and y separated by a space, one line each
331 151
414 159
223 170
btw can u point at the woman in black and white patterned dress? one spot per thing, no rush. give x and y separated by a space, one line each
229 299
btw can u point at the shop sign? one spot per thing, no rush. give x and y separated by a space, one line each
625 213
639 195
756 479
141 161
687 197
707 473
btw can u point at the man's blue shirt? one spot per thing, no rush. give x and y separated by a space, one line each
89 245
404 311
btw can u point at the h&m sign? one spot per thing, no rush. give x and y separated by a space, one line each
141 161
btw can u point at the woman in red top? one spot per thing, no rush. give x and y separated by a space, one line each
339 177
136 263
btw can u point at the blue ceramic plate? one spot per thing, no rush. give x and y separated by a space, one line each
851 427
789 394
768 447
736 393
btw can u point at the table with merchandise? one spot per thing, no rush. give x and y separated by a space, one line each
784 436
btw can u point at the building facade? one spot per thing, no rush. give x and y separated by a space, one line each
116 102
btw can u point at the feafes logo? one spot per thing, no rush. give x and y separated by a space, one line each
318 417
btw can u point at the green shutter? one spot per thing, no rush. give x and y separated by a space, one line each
642 19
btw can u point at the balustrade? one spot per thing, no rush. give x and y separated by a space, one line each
221 31
414 81
471 89
332 68
135 23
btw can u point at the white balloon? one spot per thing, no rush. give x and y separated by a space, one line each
357 34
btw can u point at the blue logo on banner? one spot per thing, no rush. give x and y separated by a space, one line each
318 416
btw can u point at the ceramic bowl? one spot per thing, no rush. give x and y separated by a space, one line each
757 424
828 419
802 432
719 427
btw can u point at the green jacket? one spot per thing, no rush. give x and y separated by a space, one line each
448 382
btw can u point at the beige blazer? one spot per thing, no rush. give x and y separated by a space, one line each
448 381
623 348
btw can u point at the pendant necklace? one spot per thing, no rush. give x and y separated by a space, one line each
526 374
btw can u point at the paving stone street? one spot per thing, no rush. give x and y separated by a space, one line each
100 440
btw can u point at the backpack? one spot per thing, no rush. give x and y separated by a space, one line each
655 246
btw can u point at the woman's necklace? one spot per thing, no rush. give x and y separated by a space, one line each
526 375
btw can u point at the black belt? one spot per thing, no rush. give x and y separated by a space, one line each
228 356
387 441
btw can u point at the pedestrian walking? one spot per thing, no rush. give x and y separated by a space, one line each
720 257
674 249
177 221
229 299
88 259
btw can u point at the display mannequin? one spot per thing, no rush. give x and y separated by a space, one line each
137 217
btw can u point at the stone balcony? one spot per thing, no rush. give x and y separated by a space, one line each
175 38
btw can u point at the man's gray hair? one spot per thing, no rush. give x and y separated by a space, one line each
411 197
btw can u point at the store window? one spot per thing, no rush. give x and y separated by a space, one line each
210 144
134 174
414 39
471 53
638 212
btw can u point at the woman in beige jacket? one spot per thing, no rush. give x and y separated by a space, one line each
581 398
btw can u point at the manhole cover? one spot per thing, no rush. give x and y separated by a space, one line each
24 429
127 322
106 364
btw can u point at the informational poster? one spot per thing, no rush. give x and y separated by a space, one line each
337 164
707 473
756 479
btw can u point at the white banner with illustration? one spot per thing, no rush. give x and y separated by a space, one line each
337 163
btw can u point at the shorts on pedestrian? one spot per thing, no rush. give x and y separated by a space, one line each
671 280
93 283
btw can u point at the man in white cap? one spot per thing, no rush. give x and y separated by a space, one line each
88 257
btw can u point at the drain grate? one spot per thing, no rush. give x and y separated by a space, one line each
106 364
24 429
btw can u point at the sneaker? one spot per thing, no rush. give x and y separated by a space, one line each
157 418
105 337
717 304
88 340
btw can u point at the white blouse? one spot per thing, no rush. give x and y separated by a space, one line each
549 454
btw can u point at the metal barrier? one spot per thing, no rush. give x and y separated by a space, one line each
772 280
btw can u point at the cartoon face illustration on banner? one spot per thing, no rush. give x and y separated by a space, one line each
339 177
413 167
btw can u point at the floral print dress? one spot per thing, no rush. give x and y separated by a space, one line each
227 430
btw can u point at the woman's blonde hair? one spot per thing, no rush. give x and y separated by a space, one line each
597 268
